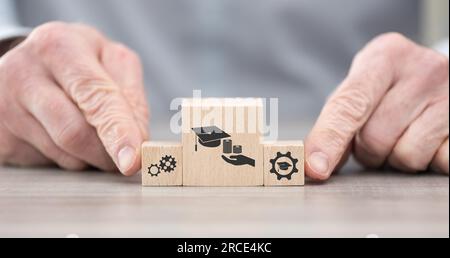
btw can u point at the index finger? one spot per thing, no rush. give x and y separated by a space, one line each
74 63
125 68
372 74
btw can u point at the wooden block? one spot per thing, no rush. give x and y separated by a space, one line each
284 163
162 164
222 142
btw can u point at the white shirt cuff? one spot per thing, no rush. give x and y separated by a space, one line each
442 47
10 32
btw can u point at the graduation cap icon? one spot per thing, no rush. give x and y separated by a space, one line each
210 137
284 166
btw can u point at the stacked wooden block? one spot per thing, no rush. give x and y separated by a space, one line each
222 146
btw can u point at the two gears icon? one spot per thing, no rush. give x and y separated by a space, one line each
167 164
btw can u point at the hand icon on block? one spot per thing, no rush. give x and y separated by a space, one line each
239 160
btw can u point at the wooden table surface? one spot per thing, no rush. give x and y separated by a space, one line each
53 203
355 203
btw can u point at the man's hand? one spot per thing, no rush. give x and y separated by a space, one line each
70 96
393 108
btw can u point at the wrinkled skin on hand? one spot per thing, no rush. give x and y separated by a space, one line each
71 97
393 108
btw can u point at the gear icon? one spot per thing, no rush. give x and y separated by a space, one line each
154 170
286 164
168 164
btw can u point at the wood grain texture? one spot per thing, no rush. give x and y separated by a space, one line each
206 166
276 153
162 164
354 203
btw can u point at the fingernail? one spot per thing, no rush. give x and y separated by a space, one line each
318 162
126 156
